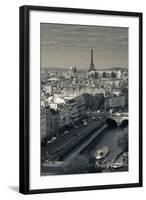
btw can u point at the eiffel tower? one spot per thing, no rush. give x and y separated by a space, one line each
92 66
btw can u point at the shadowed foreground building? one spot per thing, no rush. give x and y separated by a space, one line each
114 102
52 121
49 127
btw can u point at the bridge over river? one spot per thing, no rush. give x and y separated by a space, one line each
119 118
79 140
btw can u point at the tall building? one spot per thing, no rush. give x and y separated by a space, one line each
75 70
72 72
92 66
49 122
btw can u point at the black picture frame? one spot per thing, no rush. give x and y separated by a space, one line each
25 105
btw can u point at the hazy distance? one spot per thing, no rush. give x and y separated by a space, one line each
69 45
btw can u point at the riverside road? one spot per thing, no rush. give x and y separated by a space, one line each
94 141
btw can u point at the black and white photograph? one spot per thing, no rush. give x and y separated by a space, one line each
80 99
83 99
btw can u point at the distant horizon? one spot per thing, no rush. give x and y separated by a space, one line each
64 46
86 68
99 69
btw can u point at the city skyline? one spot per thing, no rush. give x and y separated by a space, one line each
63 46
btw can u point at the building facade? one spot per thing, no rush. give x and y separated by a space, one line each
65 115
114 102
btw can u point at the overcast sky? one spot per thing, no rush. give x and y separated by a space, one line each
70 45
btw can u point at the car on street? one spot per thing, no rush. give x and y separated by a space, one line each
93 118
85 123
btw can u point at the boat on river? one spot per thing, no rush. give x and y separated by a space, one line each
101 153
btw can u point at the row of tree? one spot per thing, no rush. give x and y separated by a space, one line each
81 164
94 102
